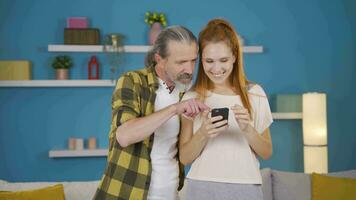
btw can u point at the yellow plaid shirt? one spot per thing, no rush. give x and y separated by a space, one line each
128 171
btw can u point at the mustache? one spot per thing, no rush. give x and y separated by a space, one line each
185 76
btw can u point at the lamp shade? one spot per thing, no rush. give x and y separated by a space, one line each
314 119
316 159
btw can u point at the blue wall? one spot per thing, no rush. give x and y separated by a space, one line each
309 46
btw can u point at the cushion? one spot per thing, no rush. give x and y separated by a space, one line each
55 192
344 174
72 190
327 187
80 189
266 184
290 185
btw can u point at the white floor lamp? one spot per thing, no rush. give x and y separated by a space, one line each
315 133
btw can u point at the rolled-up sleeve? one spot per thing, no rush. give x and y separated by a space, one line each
125 101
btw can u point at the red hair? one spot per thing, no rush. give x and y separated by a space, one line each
218 30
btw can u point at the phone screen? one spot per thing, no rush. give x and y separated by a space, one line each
224 112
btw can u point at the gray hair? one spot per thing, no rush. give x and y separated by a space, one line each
172 33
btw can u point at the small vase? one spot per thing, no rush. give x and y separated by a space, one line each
154 32
61 74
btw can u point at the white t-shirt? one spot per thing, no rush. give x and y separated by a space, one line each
228 157
165 169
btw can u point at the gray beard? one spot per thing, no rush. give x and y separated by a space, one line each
182 87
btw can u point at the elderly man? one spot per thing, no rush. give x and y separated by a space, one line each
142 161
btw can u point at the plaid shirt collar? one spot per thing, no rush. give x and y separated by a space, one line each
152 77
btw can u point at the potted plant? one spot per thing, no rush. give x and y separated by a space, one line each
155 21
62 64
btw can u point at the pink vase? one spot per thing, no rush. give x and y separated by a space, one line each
154 32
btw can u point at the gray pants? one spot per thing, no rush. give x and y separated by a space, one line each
199 190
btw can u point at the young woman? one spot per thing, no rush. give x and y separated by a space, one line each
223 153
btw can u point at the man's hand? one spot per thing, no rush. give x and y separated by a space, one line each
190 108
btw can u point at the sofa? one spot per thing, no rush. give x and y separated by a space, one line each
277 185
281 185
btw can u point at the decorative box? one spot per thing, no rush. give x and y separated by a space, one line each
87 36
15 70
77 22
289 103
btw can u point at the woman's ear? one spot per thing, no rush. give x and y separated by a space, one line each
233 59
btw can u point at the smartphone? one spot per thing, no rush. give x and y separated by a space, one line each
224 112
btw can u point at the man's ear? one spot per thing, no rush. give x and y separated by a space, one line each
158 58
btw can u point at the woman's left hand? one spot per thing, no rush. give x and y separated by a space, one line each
242 116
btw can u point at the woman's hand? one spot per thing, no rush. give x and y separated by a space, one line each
242 116
211 129
261 144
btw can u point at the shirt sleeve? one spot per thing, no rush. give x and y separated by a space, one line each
125 101
263 115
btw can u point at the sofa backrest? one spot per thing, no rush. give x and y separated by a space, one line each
277 185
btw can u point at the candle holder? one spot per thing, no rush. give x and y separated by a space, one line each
114 50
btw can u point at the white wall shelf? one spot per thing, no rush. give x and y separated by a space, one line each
104 152
252 49
104 83
287 116
93 48
127 48
78 153
58 83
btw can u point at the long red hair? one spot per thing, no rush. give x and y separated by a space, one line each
218 30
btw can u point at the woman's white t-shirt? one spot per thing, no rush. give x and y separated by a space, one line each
228 157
